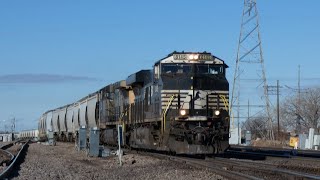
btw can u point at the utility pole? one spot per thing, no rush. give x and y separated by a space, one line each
250 59
13 125
248 109
275 90
299 87
278 109
299 103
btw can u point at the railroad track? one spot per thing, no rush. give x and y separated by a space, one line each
11 154
202 163
239 169
274 152
247 169
263 169
5 157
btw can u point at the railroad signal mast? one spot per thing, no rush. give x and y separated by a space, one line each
249 66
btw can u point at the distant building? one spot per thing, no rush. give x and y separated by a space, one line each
6 137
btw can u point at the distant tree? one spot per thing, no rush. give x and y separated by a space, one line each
257 126
301 114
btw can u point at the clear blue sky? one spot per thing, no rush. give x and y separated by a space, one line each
55 52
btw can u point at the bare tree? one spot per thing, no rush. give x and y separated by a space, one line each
288 116
302 113
257 126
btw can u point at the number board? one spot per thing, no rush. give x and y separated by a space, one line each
186 57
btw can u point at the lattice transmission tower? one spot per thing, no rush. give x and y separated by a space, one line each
249 93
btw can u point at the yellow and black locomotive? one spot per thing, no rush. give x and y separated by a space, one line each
181 106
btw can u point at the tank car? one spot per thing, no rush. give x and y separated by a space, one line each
60 122
45 125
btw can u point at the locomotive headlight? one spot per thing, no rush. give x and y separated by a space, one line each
217 112
183 112
191 56
196 56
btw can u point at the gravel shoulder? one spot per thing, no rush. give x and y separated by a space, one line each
64 162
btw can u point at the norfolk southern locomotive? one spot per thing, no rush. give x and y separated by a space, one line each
180 106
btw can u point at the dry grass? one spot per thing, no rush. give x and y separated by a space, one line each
268 143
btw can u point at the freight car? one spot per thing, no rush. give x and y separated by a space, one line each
180 106
29 134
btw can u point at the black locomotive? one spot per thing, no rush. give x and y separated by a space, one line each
181 106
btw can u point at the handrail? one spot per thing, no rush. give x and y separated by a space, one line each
124 113
225 102
164 114
226 105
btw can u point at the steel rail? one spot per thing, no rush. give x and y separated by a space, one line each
9 154
4 174
275 152
244 153
216 168
222 171
268 167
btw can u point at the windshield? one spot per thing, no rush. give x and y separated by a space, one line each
187 68
208 69
176 68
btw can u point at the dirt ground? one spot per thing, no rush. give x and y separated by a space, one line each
64 162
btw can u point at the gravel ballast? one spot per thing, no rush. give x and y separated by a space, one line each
64 162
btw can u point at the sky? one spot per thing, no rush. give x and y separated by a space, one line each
53 53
